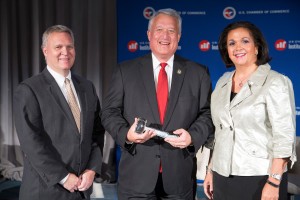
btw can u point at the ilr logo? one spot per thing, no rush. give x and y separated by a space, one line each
280 45
204 45
132 46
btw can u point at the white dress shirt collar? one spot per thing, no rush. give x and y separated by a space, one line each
58 77
60 80
156 62
169 70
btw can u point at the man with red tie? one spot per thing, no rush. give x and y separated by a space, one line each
173 95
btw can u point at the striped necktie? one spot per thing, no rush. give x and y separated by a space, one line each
73 103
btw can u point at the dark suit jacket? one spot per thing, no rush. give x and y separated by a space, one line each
133 94
49 137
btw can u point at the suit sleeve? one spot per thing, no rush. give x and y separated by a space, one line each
34 141
98 138
112 111
202 130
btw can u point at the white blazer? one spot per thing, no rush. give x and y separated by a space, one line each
259 124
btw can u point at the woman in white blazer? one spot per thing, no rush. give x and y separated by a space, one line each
253 110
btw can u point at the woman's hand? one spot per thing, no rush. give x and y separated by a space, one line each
208 185
270 192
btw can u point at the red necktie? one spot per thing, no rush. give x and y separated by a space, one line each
162 95
162 92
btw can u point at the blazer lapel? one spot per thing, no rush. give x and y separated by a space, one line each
146 72
225 92
256 80
244 93
178 75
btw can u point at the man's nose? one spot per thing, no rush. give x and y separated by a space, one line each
64 50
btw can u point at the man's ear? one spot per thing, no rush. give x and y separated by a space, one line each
45 51
148 34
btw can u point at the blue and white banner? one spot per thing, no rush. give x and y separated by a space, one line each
203 22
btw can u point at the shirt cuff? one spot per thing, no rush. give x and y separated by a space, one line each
64 180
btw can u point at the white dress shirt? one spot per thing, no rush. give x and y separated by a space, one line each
157 67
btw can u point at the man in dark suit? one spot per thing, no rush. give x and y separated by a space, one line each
152 167
55 124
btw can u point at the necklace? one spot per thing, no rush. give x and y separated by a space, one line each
242 80
241 83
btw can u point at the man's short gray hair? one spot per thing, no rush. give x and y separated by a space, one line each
53 29
168 11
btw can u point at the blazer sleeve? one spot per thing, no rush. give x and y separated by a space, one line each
281 110
35 143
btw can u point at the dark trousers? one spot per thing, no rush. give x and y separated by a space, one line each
158 193
244 187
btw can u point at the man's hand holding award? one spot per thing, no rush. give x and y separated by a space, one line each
141 127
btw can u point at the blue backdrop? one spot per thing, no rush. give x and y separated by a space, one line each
203 21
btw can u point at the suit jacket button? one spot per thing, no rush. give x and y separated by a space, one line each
231 128
157 156
221 127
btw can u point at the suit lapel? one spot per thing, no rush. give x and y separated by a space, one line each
146 72
56 93
178 75
83 105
